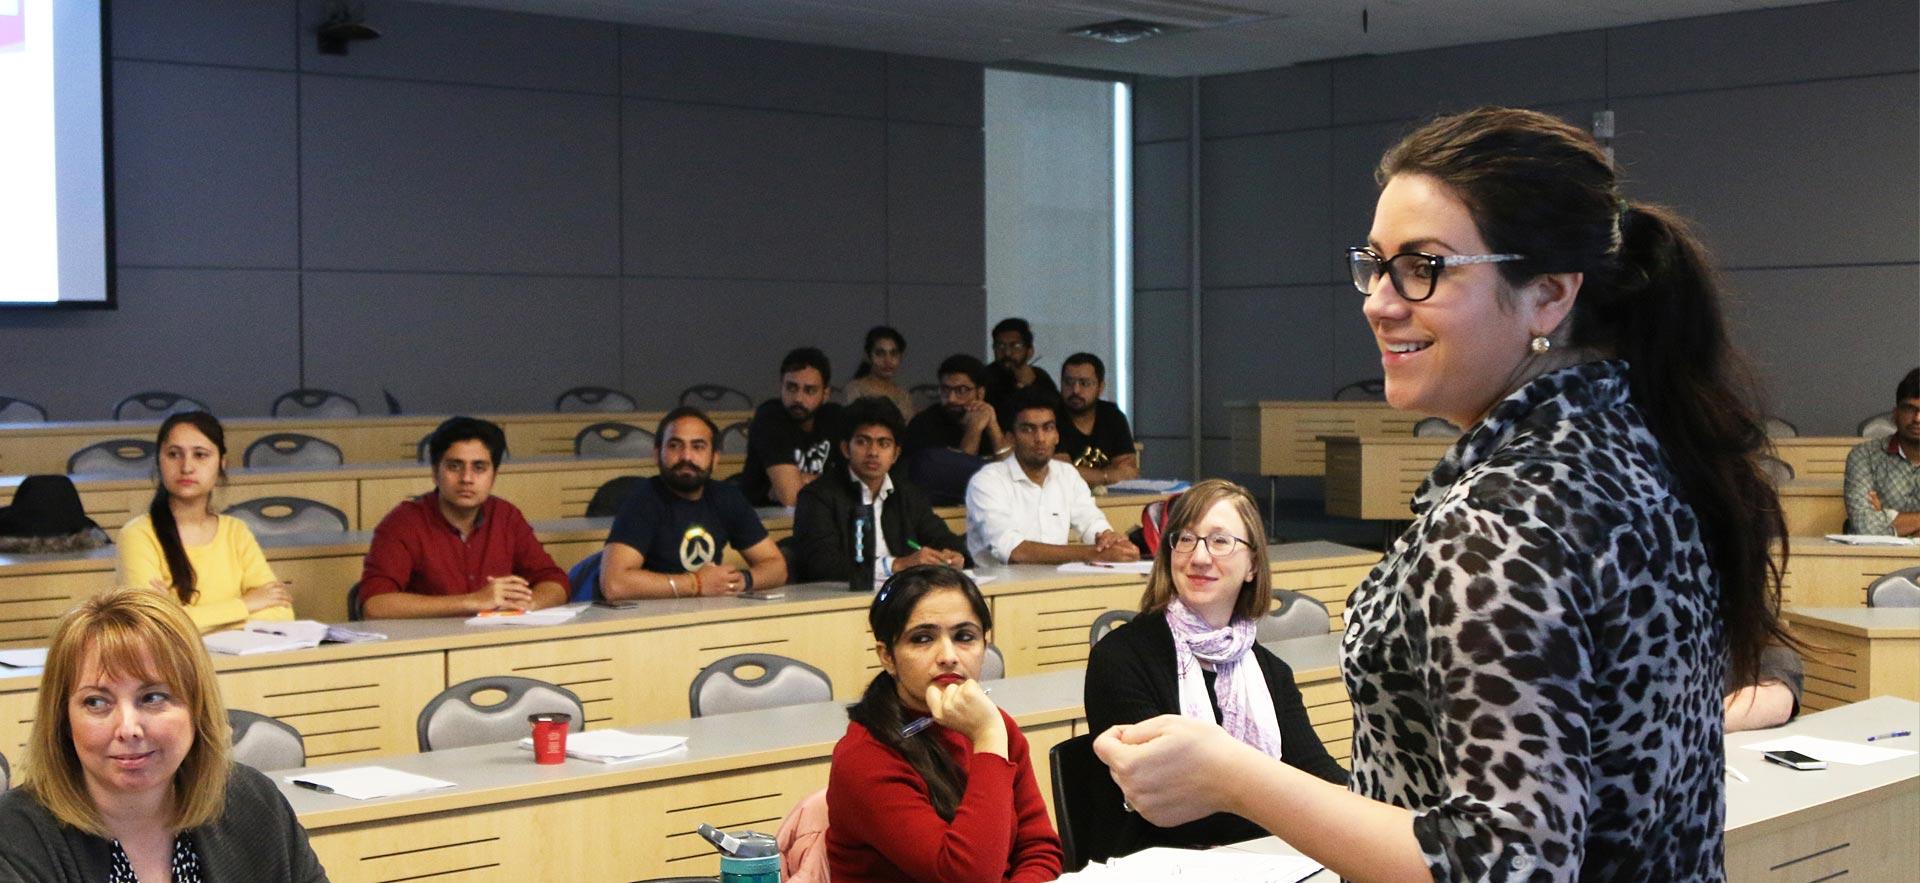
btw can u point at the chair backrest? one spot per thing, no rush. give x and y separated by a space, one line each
589 399
1153 522
721 688
1294 615
322 403
393 404
733 439
356 611
6 775
1778 428
1435 427
1373 389
455 719
1087 804
711 397
608 499
1877 426
994 666
922 396
264 743
1900 588
1778 470
14 410
274 516
1105 623
155 404
291 449
585 578
424 450
613 439
120 456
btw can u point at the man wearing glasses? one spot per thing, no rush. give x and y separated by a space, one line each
949 441
1013 370
1883 474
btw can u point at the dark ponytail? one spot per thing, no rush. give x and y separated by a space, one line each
1540 187
160 511
879 708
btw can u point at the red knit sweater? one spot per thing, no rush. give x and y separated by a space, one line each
882 827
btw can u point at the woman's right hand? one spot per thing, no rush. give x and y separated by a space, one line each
273 594
965 709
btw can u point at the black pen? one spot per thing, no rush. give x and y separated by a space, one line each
312 786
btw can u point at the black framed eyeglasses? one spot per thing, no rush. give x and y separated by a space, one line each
1414 273
1219 545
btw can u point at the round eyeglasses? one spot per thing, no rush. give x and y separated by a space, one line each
1414 273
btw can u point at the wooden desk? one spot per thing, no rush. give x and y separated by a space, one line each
359 700
1820 457
1858 652
1283 438
1823 573
27 448
1813 506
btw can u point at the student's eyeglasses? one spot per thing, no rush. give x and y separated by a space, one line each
1219 545
1414 273
962 391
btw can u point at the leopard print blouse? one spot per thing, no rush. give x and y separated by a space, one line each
1535 665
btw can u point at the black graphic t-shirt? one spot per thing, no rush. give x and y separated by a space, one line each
774 438
678 535
1110 439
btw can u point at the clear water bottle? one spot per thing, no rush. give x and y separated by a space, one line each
863 527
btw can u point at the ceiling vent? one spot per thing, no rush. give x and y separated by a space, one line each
1121 31
1169 15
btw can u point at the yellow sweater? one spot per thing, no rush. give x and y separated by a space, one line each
222 569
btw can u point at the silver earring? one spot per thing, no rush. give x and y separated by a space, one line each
1540 345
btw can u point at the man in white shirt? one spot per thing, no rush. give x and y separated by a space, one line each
1029 508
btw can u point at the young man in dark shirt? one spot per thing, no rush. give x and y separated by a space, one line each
1094 435
946 443
1013 370
671 532
910 533
791 437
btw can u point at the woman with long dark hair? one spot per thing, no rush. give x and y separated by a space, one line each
882 353
956 801
1536 666
209 562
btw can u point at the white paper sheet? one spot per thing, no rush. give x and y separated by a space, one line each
1867 539
1148 486
615 746
549 616
1159 864
1140 567
1831 750
368 782
33 657
241 642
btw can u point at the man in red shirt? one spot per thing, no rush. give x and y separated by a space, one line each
459 550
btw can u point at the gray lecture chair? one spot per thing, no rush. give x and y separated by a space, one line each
1294 615
1900 588
264 743
1877 426
315 403
592 399
356 610
1778 428
120 456
454 719
994 666
1778 471
611 496
14 410
275 516
1089 807
1105 623
711 397
291 449
732 440
6 775
424 450
1435 427
613 439
1369 390
155 405
721 688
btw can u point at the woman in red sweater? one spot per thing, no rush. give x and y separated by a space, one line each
957 802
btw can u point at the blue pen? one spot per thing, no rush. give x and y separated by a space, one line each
1893 735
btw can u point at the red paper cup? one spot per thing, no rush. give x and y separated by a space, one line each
550 736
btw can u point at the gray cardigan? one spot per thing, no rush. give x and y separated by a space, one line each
256 838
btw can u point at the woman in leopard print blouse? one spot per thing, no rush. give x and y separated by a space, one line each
1536 665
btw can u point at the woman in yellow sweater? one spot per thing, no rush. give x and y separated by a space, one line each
209 561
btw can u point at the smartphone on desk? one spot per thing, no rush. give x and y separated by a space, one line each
761 596
1794 760
628 604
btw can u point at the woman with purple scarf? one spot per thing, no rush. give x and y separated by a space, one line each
1192 652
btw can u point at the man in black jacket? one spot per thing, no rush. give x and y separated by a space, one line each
910 533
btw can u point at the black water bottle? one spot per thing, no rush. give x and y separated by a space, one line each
863 527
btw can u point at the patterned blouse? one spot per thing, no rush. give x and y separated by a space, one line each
186 862
1536 664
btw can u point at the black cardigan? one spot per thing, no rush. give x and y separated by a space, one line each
1131 677
256 838
823 525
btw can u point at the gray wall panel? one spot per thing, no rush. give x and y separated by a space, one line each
934 90
460 342
937 320
245 33
1160 215
204 166
225 337
1280 99
746 72
1413 85
715 191
1764 46
1263 343
420 41
663 319
936 208
1160 109
1264 209
1162 351
429 177
1820 173
1830 343
1166 457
